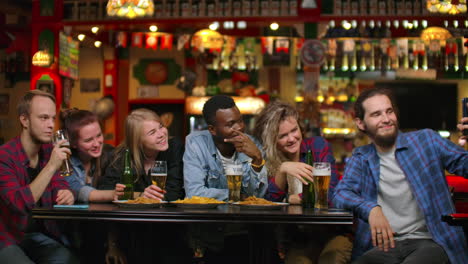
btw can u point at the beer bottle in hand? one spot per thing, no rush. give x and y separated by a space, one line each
308 192
127 178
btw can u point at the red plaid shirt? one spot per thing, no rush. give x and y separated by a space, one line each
16 199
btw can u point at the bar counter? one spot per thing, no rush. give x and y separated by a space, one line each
291 214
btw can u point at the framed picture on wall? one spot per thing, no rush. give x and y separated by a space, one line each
4 104
46 86
90 85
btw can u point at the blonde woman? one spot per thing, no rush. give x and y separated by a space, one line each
277 127
147 140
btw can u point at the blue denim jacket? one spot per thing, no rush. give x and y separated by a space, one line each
77 180
204 173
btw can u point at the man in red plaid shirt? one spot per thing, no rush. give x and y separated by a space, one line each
29 177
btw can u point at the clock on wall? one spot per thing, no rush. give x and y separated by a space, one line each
156 72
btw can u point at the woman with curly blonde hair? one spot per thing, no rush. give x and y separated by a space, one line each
277 127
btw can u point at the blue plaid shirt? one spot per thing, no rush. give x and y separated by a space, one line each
423 156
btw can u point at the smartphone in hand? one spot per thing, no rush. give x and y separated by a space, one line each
465 113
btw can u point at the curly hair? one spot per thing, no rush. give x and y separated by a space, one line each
214 104
266 131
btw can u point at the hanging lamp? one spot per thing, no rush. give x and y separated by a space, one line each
130 8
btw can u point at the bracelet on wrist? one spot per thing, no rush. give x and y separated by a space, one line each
258 166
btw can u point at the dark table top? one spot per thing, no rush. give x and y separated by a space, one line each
291 214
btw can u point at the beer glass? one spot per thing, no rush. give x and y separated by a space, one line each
234 181
66 169
158 174
322 174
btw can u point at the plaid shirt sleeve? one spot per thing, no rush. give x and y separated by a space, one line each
274 193
348 192
15 195
452 156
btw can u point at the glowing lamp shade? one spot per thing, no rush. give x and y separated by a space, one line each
208 39
437 33
41 59
130 8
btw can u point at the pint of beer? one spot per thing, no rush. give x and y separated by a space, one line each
66 169
322 174
234 174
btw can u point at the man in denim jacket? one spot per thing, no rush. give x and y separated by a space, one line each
208 151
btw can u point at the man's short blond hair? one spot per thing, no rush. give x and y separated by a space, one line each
24 105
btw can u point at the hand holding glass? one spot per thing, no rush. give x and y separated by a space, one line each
158 174
66 169
322 174
234 181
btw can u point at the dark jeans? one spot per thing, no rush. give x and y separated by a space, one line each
36 248
407 251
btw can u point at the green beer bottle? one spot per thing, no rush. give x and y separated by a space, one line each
127 178
308 192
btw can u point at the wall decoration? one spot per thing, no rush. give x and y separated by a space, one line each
4 104
90 85
69 55
156 71
46 86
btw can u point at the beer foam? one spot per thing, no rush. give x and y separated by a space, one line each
321 172
233 170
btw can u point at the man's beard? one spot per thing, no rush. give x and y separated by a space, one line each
384 141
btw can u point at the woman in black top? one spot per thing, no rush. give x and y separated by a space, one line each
147 140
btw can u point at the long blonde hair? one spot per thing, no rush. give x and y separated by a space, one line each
266 130
132 140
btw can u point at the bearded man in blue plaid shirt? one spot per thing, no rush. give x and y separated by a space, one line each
397 189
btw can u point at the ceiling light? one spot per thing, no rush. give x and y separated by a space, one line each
345 24
274 26
214 25
153 28
130 9
424 23
97 43
81 37
228 24
95 30
241 25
